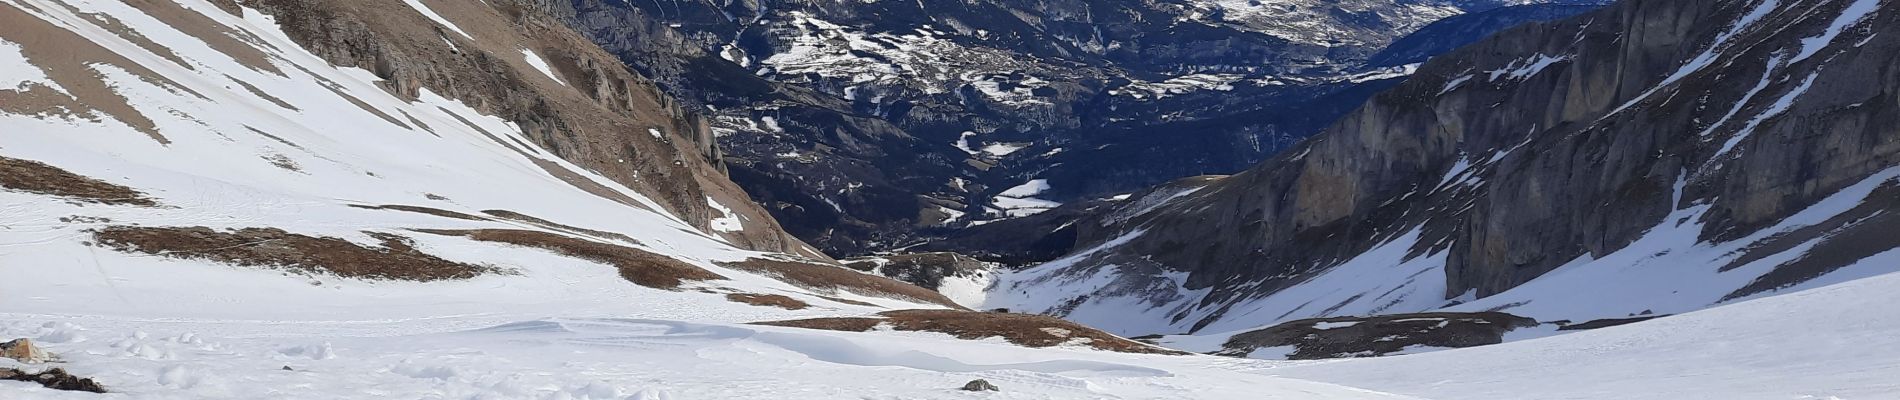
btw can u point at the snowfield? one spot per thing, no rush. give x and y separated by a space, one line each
1825 343
1835 342
605 358
287 141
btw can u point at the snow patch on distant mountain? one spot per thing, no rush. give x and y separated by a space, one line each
1020 201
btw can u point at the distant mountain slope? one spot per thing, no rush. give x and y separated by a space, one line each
870 126
1456 31
1651 157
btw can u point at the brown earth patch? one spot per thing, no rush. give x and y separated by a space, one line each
842 324
1342 337
396 259
830 277
238 45
637 266
71 62
849 301
260 94
56 379
423 210
124 32
36 177
365 106
768 300
519 217
1027 330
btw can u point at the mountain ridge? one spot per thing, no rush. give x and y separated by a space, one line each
1461 203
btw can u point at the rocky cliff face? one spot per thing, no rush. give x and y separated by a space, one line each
1457 31
1666 155
870 125
591 111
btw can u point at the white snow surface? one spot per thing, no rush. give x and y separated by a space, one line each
433 16
1027 189
553 327
222 169
540 64
557 327
1020 201
968 290
1003 149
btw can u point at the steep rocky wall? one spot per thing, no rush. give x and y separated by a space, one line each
1551 142
598 114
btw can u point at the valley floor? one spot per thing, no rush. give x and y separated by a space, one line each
1828 343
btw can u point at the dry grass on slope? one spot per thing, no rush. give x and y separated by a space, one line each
768 300
396 259
831 277
635 265
1026 330
36 177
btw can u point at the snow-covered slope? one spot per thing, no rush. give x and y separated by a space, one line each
154 117
139 134
201 203
1617 164
1834 342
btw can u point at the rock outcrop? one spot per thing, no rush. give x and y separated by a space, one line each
23 350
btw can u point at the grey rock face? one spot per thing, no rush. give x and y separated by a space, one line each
1453 32
1554 141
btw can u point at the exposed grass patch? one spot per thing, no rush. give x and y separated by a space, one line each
635 265
396 259
519 217
768 300
36 177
